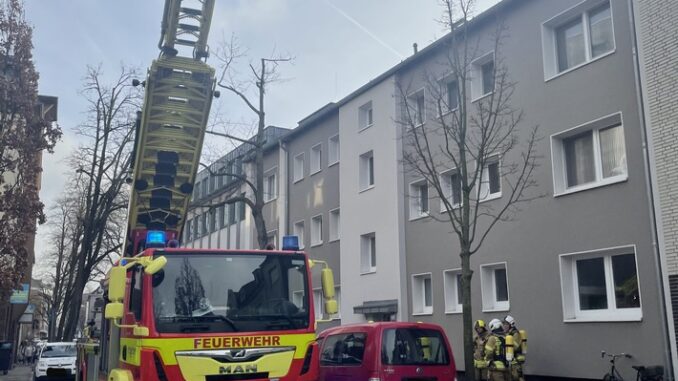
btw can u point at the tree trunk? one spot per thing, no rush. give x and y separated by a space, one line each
467 316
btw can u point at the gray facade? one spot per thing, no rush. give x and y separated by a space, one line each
312 188
544 250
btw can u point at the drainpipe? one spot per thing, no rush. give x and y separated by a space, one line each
668 332
285 164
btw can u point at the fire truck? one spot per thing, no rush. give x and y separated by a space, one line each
174 314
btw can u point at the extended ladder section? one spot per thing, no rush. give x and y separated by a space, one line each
186 23
169 139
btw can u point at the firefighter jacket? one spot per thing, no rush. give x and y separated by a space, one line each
495 352
479 350
517 344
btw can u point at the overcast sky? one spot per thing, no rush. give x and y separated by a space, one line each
337 45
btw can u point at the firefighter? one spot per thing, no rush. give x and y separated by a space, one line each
479 363
510 328
495 352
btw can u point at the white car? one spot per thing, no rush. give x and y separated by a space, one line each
56 360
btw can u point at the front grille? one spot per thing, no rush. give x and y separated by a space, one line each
232 377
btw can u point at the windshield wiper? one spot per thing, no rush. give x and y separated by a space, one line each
199 319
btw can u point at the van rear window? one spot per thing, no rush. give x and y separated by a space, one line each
344 349
411 346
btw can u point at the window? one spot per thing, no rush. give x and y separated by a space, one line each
242 209
482 76
333 150
136 292
343 350
316 158
221 217
368 253
601 285
196 227
417 105
271 186
220 177
422 297
213 183
418 199
366 170
203 224
577 36
452 95
494 287
317 230
204 186
490 180
365 116
299 167
213 220
299 232
231 213
196 191
452 284
189 230
590 155
451 183
335 227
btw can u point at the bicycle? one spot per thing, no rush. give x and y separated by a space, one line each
643 373
613 374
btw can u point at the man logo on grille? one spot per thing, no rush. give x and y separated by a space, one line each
238 353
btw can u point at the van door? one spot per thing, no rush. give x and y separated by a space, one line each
342 356
415 354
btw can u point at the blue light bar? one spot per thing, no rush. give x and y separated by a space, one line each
155 238
290 242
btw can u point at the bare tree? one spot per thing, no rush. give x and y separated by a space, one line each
101 167
260 77
24 133
468 148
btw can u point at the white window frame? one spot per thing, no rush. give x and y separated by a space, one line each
366 265
333 150
488 288
419 306
558 161
569 287
483 180
317 231
268 194
364 113
363 171
299 172
334 224
477 76
548 37
416 211
413 102
316 159
445 182
299 229
452 303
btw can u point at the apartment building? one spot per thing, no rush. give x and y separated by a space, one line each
578 267
656 23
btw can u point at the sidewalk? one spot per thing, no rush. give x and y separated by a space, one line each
18 373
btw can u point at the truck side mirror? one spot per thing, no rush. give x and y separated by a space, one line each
331 306
327 280
114 311
116 284
155 265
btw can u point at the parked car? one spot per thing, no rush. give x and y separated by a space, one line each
56 360
386 351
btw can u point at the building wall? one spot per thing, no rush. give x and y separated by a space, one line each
655 22
376 210
316 194
531 245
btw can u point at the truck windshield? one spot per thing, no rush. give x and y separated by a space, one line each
231 293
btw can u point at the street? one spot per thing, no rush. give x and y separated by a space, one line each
18 373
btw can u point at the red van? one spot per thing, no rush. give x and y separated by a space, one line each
386 351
